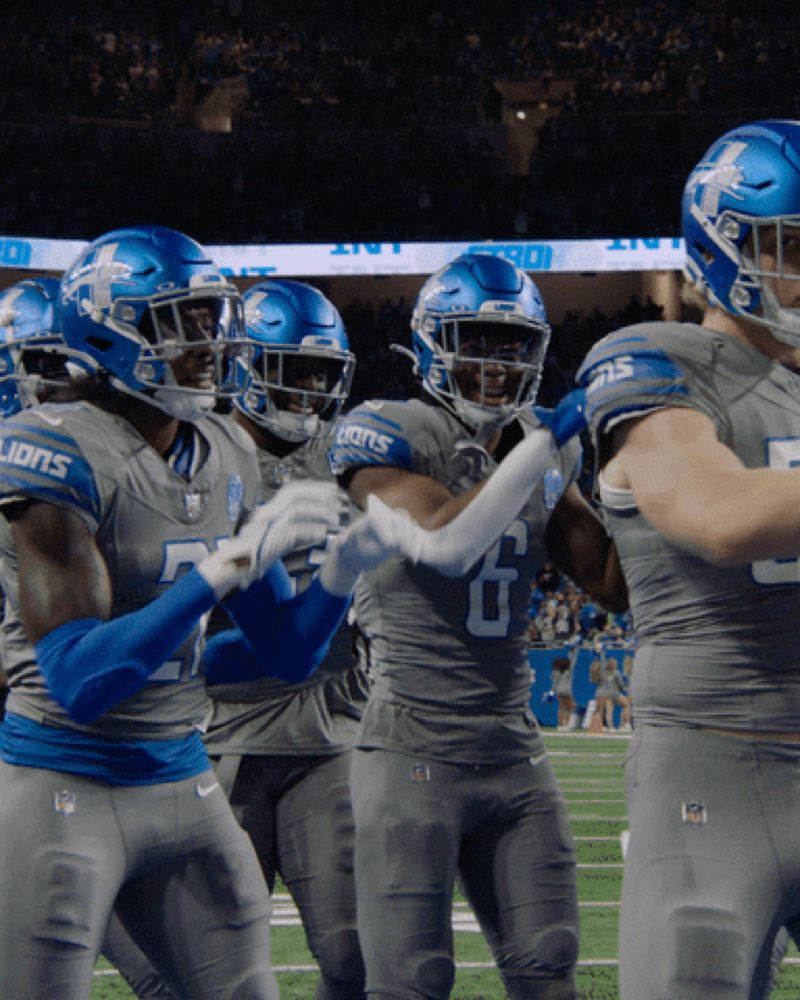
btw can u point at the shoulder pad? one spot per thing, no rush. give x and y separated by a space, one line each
641 369
40 459
374 433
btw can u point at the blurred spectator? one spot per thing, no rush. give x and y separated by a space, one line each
562 668
546 625
548 578
610 693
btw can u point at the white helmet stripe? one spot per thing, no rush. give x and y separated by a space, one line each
105 274
718 178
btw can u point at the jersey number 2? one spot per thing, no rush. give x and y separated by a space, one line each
177 556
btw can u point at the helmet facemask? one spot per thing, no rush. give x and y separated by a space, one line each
295 390
36 365
48 371
770 254
486 371
189 340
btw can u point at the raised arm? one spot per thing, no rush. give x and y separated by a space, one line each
695 491
91 661
462 528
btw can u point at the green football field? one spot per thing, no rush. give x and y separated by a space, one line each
589 769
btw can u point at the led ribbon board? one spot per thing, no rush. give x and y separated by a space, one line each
290 260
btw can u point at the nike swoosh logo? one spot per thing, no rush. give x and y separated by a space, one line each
203 791
49 419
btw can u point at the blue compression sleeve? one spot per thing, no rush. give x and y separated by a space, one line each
91 665
228 659
286 636
255 610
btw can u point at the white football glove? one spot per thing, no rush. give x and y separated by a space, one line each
375 536
300 515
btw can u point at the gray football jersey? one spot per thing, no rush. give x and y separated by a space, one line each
450 656
321 715
717 645
150 525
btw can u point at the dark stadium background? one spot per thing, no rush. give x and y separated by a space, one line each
240 121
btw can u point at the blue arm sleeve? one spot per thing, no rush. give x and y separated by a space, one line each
255 610
278 635
310 621
228 659
91 665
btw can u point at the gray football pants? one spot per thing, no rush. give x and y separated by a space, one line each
297 813
503 832
171 858
713 864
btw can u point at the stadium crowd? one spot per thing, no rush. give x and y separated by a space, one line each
384 104
415 60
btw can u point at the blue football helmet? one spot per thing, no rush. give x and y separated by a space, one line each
741 223
480 334
300 370
34 360
137 299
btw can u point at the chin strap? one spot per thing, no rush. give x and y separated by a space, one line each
294 427
784 323
186 406
182 403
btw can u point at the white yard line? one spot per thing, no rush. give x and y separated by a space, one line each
583 963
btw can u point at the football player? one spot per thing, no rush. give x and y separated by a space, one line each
36 366
450 776
697 427
34 361
283 751
118 512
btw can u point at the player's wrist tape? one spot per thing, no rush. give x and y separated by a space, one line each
91 665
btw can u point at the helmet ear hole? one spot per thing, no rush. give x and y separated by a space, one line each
704 253
99 343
